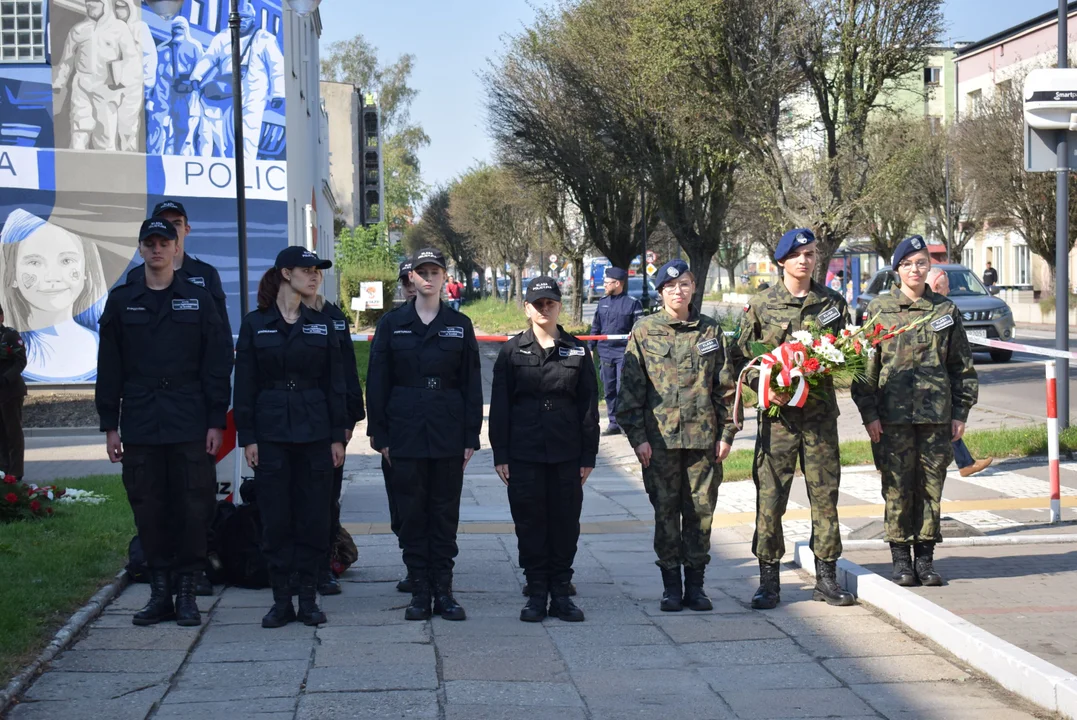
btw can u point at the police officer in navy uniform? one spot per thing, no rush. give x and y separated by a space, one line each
327 581
616 313
291 415
424 404
163 367
188 266
544 432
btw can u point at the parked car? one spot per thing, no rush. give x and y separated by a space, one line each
982 314
635 289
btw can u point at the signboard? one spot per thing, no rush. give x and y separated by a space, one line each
651 269
371 294
651 256
553 258
553 267
1041 150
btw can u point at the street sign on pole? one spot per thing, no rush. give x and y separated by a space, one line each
651 269
553 267
553 258
651 256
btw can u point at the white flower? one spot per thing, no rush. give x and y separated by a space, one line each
803 337
853 329
830 353
71 495
871 352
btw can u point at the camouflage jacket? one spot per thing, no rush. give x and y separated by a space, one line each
771 318
670 393
924 376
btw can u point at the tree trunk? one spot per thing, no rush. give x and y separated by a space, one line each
731 270
577 297
699 259
517 284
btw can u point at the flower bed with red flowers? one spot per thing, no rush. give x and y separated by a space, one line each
24 501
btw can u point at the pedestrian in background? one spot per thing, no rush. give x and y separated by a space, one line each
615 314
424 406
671 407
914 400
452 289
544 433
939 282
990 276
165 358
808 435
12 397
291 417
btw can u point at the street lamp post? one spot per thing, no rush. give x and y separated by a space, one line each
643 253
1062 286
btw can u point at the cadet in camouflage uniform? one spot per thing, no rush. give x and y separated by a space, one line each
809 434
670 407
919 389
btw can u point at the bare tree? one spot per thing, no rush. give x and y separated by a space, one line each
435 229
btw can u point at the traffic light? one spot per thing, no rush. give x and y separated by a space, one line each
371 179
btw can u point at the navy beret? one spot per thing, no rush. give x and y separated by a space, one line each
616 273
791 241
905 248
670 271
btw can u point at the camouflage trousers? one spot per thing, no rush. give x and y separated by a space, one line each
683 488
913 461
777 449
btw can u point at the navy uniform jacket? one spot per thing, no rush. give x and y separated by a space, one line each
544 410
424 392
163 364
199 273
289 379
615 316
354 406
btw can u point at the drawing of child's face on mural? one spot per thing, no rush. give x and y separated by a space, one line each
50 269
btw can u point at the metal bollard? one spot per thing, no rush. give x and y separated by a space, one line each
1052 442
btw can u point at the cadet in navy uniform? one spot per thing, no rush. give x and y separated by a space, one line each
327 581
544 432
291 416
188 267
163 369
424 403
616 313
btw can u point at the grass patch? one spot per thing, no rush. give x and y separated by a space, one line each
499 318
1003 443
50 568
362 361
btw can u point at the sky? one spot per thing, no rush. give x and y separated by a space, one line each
453 40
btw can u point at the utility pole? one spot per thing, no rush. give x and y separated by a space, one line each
949 215
1062 284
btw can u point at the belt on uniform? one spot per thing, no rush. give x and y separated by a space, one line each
293 384
164 383
434 383
550 403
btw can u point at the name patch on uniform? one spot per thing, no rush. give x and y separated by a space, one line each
828 316
525 352
453 332
180 304
569 352
942 323
136 308
200 281
403 332
340 324
315 330
266 332
707 346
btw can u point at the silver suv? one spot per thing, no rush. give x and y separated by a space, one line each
982 314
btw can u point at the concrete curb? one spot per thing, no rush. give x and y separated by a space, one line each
64 636
984 541
88 431
1015 669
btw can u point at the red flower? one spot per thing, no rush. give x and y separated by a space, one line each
879 328
845 333
887 336
811 365
857 347
48 510
11 498
817 342
831 338
35 506
10 480
796 347
894 326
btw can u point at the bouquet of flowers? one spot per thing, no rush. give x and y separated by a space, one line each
25 500
790 370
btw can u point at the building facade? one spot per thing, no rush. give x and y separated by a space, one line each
109 109
343 102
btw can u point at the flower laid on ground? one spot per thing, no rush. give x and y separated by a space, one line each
788 372
73 495
26 500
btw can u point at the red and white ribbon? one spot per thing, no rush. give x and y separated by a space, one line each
788 359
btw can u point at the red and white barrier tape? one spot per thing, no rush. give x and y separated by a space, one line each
503 338
1030 349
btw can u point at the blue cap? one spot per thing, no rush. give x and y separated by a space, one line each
298 256
156 227
793 240
670 271
543 286
616 273
905 248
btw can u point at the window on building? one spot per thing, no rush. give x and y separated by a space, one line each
968 257
1022 265
213 16
198 7
974 99
934 123
1004 86
265 19
22 31
932 75
276 24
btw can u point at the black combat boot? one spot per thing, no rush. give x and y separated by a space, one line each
571 590
282 611
160 607
327 583
561 605
444 602
535 609
405 585
826 585
769 593
902 559
203 587
187 613
309 613
419 609
925 564
672 595
695 597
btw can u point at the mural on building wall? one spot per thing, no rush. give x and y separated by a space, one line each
130 109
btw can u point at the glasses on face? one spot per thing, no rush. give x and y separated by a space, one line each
919 265
681 287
